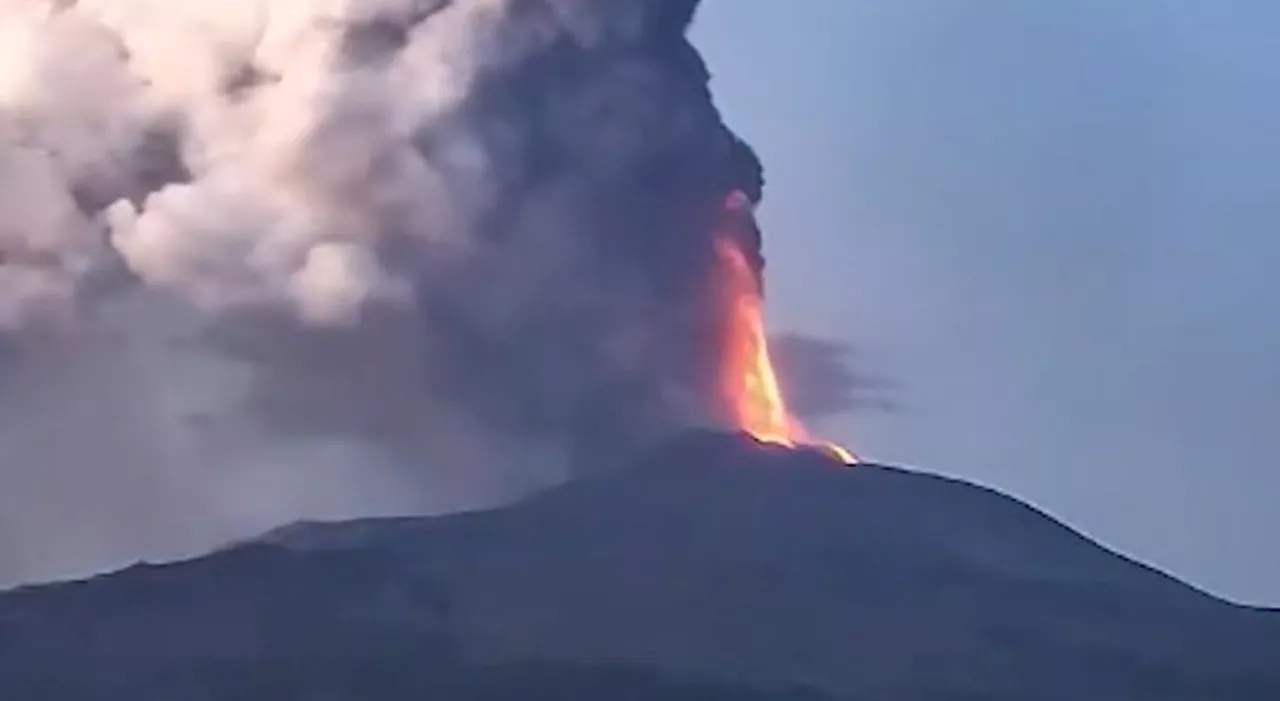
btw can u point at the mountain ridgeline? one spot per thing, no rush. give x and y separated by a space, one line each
717 568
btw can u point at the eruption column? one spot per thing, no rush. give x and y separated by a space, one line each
747 379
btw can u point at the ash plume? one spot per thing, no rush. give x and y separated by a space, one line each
262 261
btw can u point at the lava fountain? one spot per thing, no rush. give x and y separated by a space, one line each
747 381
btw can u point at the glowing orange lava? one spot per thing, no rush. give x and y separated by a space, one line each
747 379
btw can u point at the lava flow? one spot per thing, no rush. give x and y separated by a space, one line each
747 379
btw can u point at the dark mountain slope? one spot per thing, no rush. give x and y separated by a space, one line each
718 559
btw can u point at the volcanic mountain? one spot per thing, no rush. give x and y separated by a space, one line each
716 568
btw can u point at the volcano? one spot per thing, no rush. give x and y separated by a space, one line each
717 567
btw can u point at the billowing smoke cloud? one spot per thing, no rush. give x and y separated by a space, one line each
265 260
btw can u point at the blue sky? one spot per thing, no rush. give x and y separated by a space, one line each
1053 224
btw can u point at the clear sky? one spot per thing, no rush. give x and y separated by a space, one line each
1054 224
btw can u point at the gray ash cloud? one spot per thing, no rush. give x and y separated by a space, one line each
262 261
